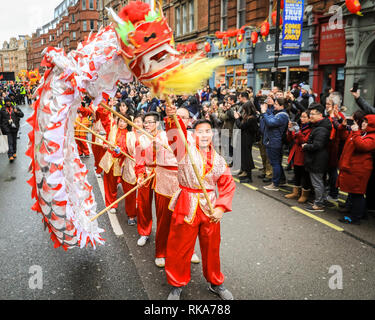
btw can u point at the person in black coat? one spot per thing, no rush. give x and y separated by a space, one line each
10 123
317 154
246 121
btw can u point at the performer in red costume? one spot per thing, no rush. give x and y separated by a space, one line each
102 126
191 212
165 185
145 157
115 165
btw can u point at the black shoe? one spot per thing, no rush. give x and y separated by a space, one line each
282 183
267 180
246 180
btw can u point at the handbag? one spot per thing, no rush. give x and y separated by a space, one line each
4 147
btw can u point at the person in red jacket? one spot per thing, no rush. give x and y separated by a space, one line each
356 165
191 212
299 135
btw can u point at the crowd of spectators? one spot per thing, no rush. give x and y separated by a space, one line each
327 150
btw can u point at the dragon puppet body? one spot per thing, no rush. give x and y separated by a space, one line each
139 43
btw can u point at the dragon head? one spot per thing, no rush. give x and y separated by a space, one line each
146 41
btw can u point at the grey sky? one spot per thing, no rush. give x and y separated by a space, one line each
20 17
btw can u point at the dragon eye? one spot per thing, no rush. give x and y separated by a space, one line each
153 35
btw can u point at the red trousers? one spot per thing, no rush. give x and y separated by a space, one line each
110 190
98 152
164 217
180 248
144 209
82 148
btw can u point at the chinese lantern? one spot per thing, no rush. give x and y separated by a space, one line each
265 29
240 34
207 47
274 17
282 4
254 37
219 35
354 6
232 33
225 41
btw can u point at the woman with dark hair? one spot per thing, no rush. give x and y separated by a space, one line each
299 134
247 123
115 165
356 165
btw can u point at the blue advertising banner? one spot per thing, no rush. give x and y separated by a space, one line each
292 26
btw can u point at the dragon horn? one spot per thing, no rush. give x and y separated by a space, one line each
113 17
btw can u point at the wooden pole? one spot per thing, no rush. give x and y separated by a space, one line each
197 174
132 124
88 141
104 140
122 198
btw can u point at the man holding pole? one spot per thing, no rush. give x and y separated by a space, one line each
196 209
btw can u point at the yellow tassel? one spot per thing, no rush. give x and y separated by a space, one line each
189 78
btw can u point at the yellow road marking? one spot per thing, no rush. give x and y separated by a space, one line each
250 186
308 214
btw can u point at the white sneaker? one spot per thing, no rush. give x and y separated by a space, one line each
142 241
160 262
195 258
113 211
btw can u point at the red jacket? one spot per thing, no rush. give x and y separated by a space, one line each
334 143
296 153
356 162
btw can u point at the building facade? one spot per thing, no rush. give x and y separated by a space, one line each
73 21
13 54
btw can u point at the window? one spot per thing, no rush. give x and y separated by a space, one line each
241 13
91 4
74 35
84 27
184 18
191 16
66 26
92 25
224 15
83 4
178 21
73 18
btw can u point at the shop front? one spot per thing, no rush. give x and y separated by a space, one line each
360 52
330 59
236 71
290 70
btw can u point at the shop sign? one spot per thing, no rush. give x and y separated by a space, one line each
332 47
292 27
305 59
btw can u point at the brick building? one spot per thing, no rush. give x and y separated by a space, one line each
73 21
13 54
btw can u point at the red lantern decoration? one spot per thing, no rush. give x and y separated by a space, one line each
254 37
282 4
232 33
265 29
219 34
239 37
274 17
354 7
207 47
225 41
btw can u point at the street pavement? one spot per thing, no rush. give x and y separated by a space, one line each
271 249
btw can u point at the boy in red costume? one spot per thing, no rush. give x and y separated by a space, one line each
191 212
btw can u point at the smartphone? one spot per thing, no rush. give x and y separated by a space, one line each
350 122
355 87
